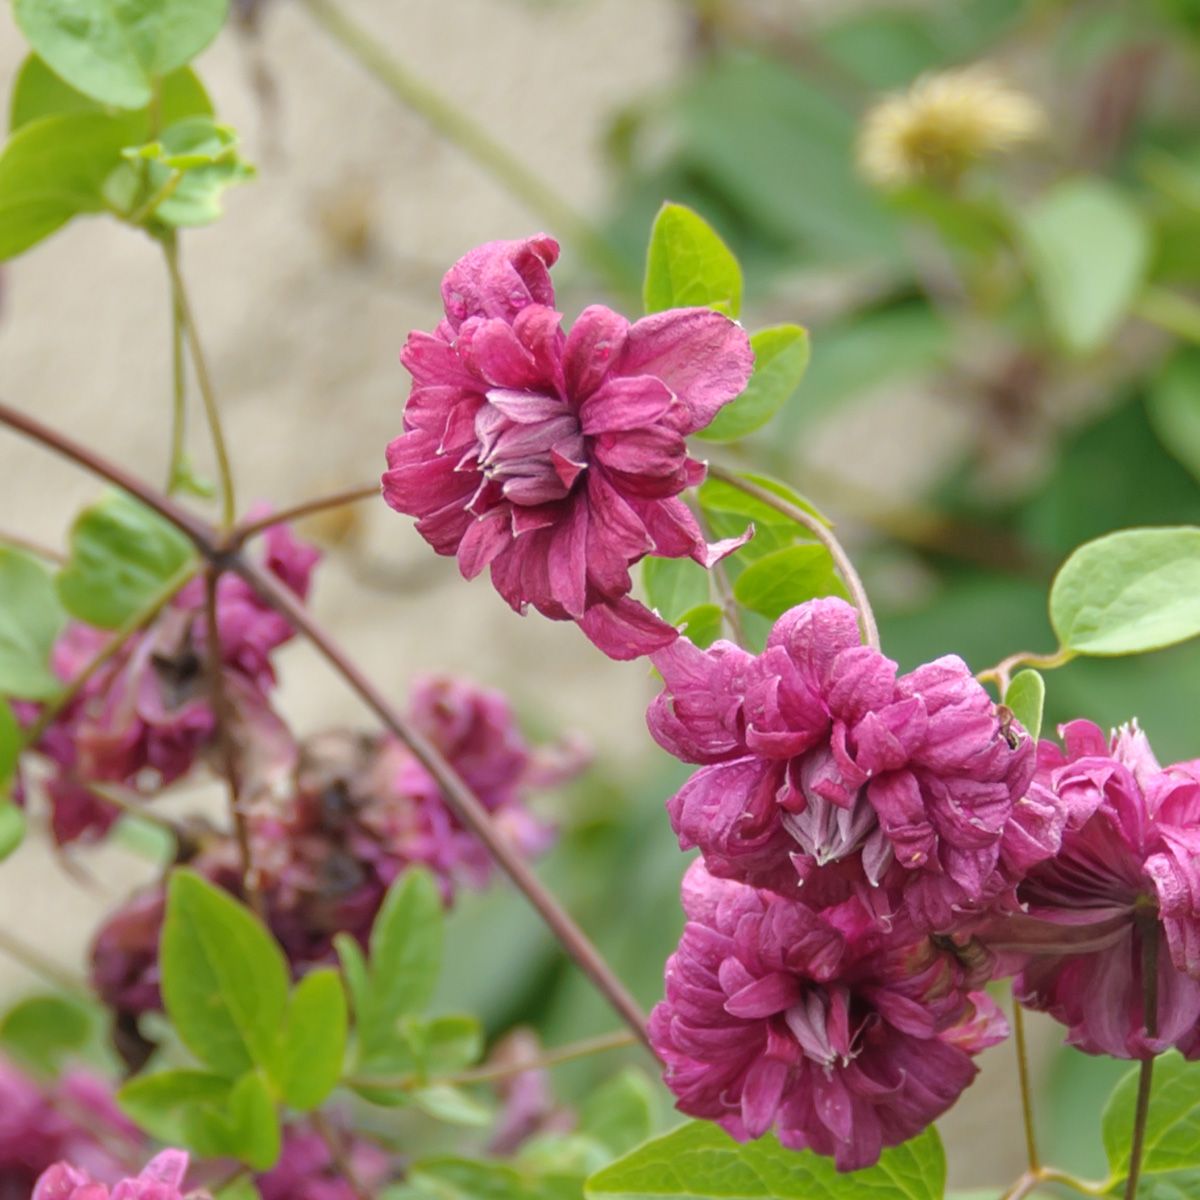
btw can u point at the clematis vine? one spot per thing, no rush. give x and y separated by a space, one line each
826 774
843 1037
557 460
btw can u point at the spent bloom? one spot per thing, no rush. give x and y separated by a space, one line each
306 1169
942 124
144 717
160 1179
356 812
1126 869
557 460
842 1037
826 774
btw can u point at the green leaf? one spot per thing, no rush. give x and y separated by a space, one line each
12 828
114 50
1173 404
1088 247
674 586
253 1123
1026 696
31 618
621 1112
445 1044
242 1187
224 979
406 955
688 265
38 92
702 624
10 745
55 169
700 1161
729 510
451 1104
1129 592
123 558
781 355
165 1102
1171 1153
195 161
781 580
314 1045
43 1030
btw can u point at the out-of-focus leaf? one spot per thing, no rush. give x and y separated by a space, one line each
1087 247
689 266
31 618
115 50
621 1112
1173 404
780 360
314 1043
12 827
159 1102
1129 592
452 1105
674 586
43 1030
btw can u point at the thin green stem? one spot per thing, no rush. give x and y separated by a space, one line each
471 138
494 1071
824 535
35 961
175 469
1146 923
1176 313
248 529
1022 1045
1001 673
143 213
204 380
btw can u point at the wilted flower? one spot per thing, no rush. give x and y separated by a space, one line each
557 459
306 1169
144 717
70 1119
823 769
843 1038
942 124
358 812
161 1179
1127 868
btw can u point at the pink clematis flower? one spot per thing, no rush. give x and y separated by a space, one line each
557 459
824 770
1126 868
160 1179
842 1037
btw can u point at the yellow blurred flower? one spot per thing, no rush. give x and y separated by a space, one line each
942 124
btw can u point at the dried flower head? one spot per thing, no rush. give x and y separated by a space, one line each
942 124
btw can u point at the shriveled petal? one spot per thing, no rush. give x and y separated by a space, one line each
702 356
499 279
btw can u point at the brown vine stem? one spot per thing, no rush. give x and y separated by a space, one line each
204 380
1022 1047
248 529
460 798
487 1073
1146 922
17 542
34 960
825 536
225 747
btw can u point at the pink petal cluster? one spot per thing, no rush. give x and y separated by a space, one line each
306 1169
74 1119
356 813
557 460
825 774
161 1179
144 718
1126 868
843 1037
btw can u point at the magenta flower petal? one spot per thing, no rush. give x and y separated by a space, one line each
499 279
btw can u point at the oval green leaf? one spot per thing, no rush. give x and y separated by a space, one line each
674 585
224 978
781 356
1173 405
314 1046
114 50
31 619
1087 247
123 557
1026 697
781 580
1129 592
700 1161
43 1030
702 624
688 265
